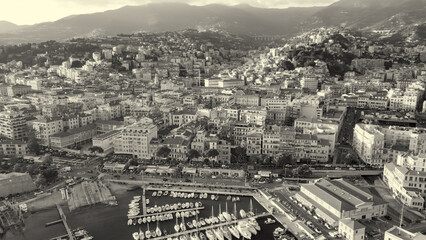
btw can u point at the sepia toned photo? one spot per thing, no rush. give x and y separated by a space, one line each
213 120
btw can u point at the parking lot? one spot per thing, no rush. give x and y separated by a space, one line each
304 214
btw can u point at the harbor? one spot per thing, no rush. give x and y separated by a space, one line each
114 219
200 224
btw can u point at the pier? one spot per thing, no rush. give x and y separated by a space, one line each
208 227
69 235
167 212
144 202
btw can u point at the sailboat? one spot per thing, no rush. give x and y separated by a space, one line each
148 233
182 224
177 228
226 233
220 216
251 213
158 231
141 235
226 214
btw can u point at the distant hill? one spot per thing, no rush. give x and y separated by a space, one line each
395 15
6 26
156 17
372 14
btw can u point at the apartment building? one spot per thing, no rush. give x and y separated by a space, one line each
135 139
409 186
368 142
44 128
13 148
13 125
73 137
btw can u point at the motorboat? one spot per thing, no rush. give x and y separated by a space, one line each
244 230
202 236
195 223
129 222
228 198
183 237
248 226
153 234
212 197
148 219
243 213
135 235
190 225
140 221
147 201
253 222
154 194
269 221
233 217
234 231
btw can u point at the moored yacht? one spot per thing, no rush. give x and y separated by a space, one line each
234 231
226 233
219 234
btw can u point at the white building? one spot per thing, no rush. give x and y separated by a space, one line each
406 185
368 142
397 233
351 229
135 139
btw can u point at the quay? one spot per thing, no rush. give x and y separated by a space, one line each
167 212
208 227
218 191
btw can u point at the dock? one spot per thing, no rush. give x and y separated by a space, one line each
208 227
69 235
167 212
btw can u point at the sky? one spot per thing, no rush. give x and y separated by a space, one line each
24 12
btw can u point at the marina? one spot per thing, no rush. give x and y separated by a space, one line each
219 225
114 220
203 224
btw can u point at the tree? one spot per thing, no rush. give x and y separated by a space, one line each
47 160
19 167
33 144
302 171
96 149
238 155
193 154
284 159
50 175
163 152
212 153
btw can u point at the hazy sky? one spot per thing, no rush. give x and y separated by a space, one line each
36 11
